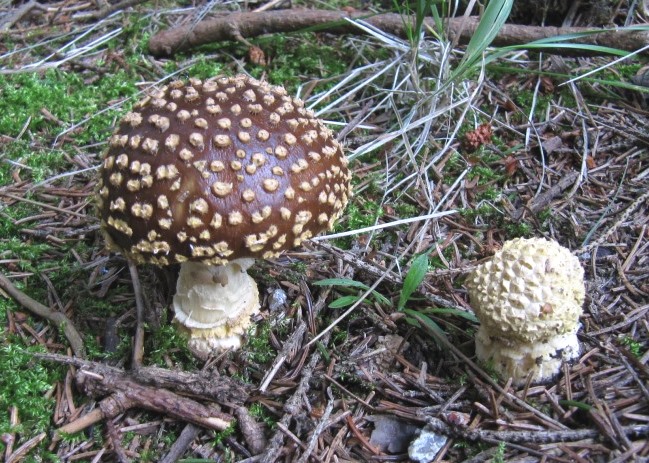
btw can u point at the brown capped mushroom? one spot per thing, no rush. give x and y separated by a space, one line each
212 174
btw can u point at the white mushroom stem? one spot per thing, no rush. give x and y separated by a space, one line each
215 303
541 361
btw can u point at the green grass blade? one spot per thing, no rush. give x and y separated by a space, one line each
493 19
414 277
344 282
422 321
349 283
448 311
343 301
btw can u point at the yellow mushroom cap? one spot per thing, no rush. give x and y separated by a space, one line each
531 290
216 170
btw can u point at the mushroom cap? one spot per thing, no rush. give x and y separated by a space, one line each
216 170
530 290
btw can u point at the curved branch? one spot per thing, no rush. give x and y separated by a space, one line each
240 26
61 321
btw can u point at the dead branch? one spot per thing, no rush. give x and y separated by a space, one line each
539 437
123 393
240 26
60 320
22 451
537 203
18 14
201 385
109 9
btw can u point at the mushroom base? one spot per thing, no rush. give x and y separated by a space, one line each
214 304
516 360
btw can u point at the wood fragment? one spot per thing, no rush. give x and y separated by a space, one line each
180 446
19 13
529 437
124 394
116 442
236 26
293 406
315 435
253 432
138 341
200 385
25 448
543 200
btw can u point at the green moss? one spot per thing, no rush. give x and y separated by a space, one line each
490 194
485 174
26 98
635 347
168 342
499 456
488 214
259 350
405 210
520 229
291 58
362 214
260 413
221 436
205 68
24 385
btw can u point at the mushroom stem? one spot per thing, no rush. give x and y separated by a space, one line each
215 303
516 359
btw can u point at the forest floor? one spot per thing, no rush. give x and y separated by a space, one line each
451 158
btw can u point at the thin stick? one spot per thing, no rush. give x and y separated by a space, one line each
187 435
125 394
138 341
59 319
43 205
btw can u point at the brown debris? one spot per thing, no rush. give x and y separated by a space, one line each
476 138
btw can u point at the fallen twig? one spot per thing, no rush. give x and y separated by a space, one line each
61 321
138 341
22 451
124 394
253 432
527 437
187 435
537 203
19 14
238 26
201 385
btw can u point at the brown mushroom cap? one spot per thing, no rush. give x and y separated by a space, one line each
216 170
